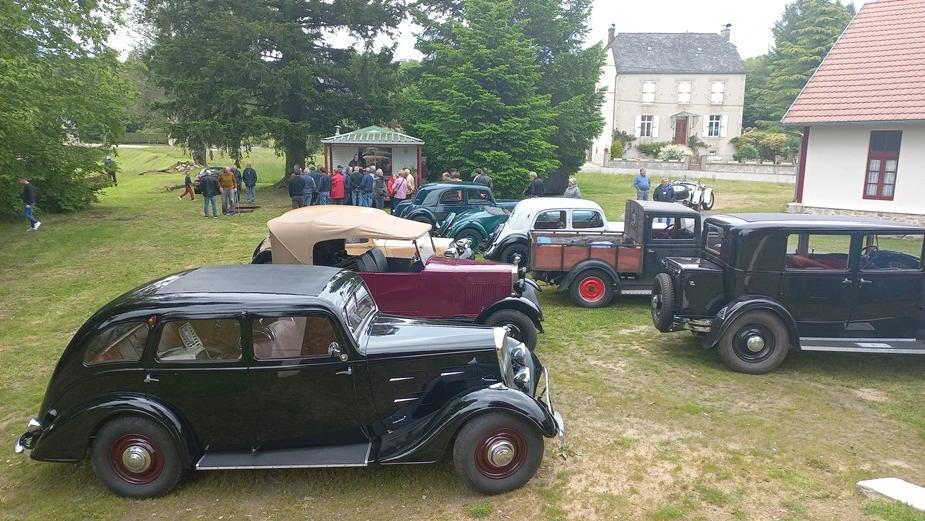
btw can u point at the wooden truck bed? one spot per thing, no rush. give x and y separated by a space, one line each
559 252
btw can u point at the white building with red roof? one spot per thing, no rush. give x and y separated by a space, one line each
863 118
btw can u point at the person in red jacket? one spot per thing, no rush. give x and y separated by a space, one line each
337 186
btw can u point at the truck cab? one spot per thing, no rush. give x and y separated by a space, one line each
594 263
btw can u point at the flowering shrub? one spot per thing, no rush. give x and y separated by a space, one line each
673 152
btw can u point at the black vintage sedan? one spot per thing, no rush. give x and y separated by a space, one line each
286 367
766 284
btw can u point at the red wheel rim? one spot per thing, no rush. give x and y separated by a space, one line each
591 289
500 454
136 459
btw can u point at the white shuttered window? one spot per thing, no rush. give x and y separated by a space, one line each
648 92
684 92
716 92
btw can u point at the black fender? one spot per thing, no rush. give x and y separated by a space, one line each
507 241
259 246
588 264
744 304
522 304
263 257
67 438
428 441
421 211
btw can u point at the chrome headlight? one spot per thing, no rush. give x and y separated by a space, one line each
519 355
522 379
33 425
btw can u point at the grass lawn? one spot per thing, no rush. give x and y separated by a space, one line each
658 429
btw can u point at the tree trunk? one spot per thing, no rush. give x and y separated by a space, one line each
199 156
295 155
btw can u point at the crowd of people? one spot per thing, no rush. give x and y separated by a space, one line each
356 185
227 184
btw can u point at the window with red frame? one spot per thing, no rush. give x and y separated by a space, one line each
882 163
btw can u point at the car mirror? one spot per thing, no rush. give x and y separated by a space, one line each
335 352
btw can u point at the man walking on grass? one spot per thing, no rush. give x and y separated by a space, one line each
210 188
28 203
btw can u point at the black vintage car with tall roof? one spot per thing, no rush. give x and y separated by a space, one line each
289 367
766 284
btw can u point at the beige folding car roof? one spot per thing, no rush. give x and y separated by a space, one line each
295 233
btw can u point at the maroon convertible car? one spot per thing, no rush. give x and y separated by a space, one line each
399 262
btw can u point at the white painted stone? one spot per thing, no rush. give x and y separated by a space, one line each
894 488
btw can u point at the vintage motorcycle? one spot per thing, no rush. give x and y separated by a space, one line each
693 194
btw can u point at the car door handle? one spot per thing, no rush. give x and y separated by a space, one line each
348 372
148 379
865 281
846 281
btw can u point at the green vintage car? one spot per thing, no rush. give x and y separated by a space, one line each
476 224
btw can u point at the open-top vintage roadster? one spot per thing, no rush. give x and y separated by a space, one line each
405 272
693 194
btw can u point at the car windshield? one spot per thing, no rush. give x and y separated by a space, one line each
425 247
358 308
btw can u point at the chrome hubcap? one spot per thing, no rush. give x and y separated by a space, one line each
136 459
655 302
501 453
754 343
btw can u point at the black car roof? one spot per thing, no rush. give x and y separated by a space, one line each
250 278
658 207
816 222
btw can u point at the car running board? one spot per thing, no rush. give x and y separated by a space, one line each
647 291
312 457
903 346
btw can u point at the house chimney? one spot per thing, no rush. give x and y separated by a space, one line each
725 32
611 34
336 130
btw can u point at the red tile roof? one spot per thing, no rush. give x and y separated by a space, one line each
874 73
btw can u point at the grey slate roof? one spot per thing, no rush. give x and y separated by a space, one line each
666 53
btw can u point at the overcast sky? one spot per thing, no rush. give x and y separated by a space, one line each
751 22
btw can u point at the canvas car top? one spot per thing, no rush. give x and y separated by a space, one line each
295 233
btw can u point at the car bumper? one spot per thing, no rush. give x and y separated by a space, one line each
543 396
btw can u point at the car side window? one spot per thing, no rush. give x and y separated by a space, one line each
188 340
582 219
824 252
293 337
119 343
669 228
550 220
476 196
451 197
892 252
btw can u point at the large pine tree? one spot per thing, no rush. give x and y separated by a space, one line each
567 72
802 38
477 101
239 69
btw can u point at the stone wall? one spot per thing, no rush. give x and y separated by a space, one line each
649 164
751 168
918 220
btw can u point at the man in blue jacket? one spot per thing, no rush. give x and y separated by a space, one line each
366 188
642 184
250 183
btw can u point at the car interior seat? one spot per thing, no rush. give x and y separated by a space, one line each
285 339
382 264
365 263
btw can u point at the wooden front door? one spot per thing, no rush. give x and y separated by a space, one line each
680 131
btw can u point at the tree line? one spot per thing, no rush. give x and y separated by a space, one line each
508 84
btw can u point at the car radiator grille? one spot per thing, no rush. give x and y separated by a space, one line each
479 295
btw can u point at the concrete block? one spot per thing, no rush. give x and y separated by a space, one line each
895 489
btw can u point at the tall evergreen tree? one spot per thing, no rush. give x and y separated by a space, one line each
57 80
477 102
802 38
756 79
568 71
239 69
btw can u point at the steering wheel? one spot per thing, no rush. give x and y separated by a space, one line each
870 249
